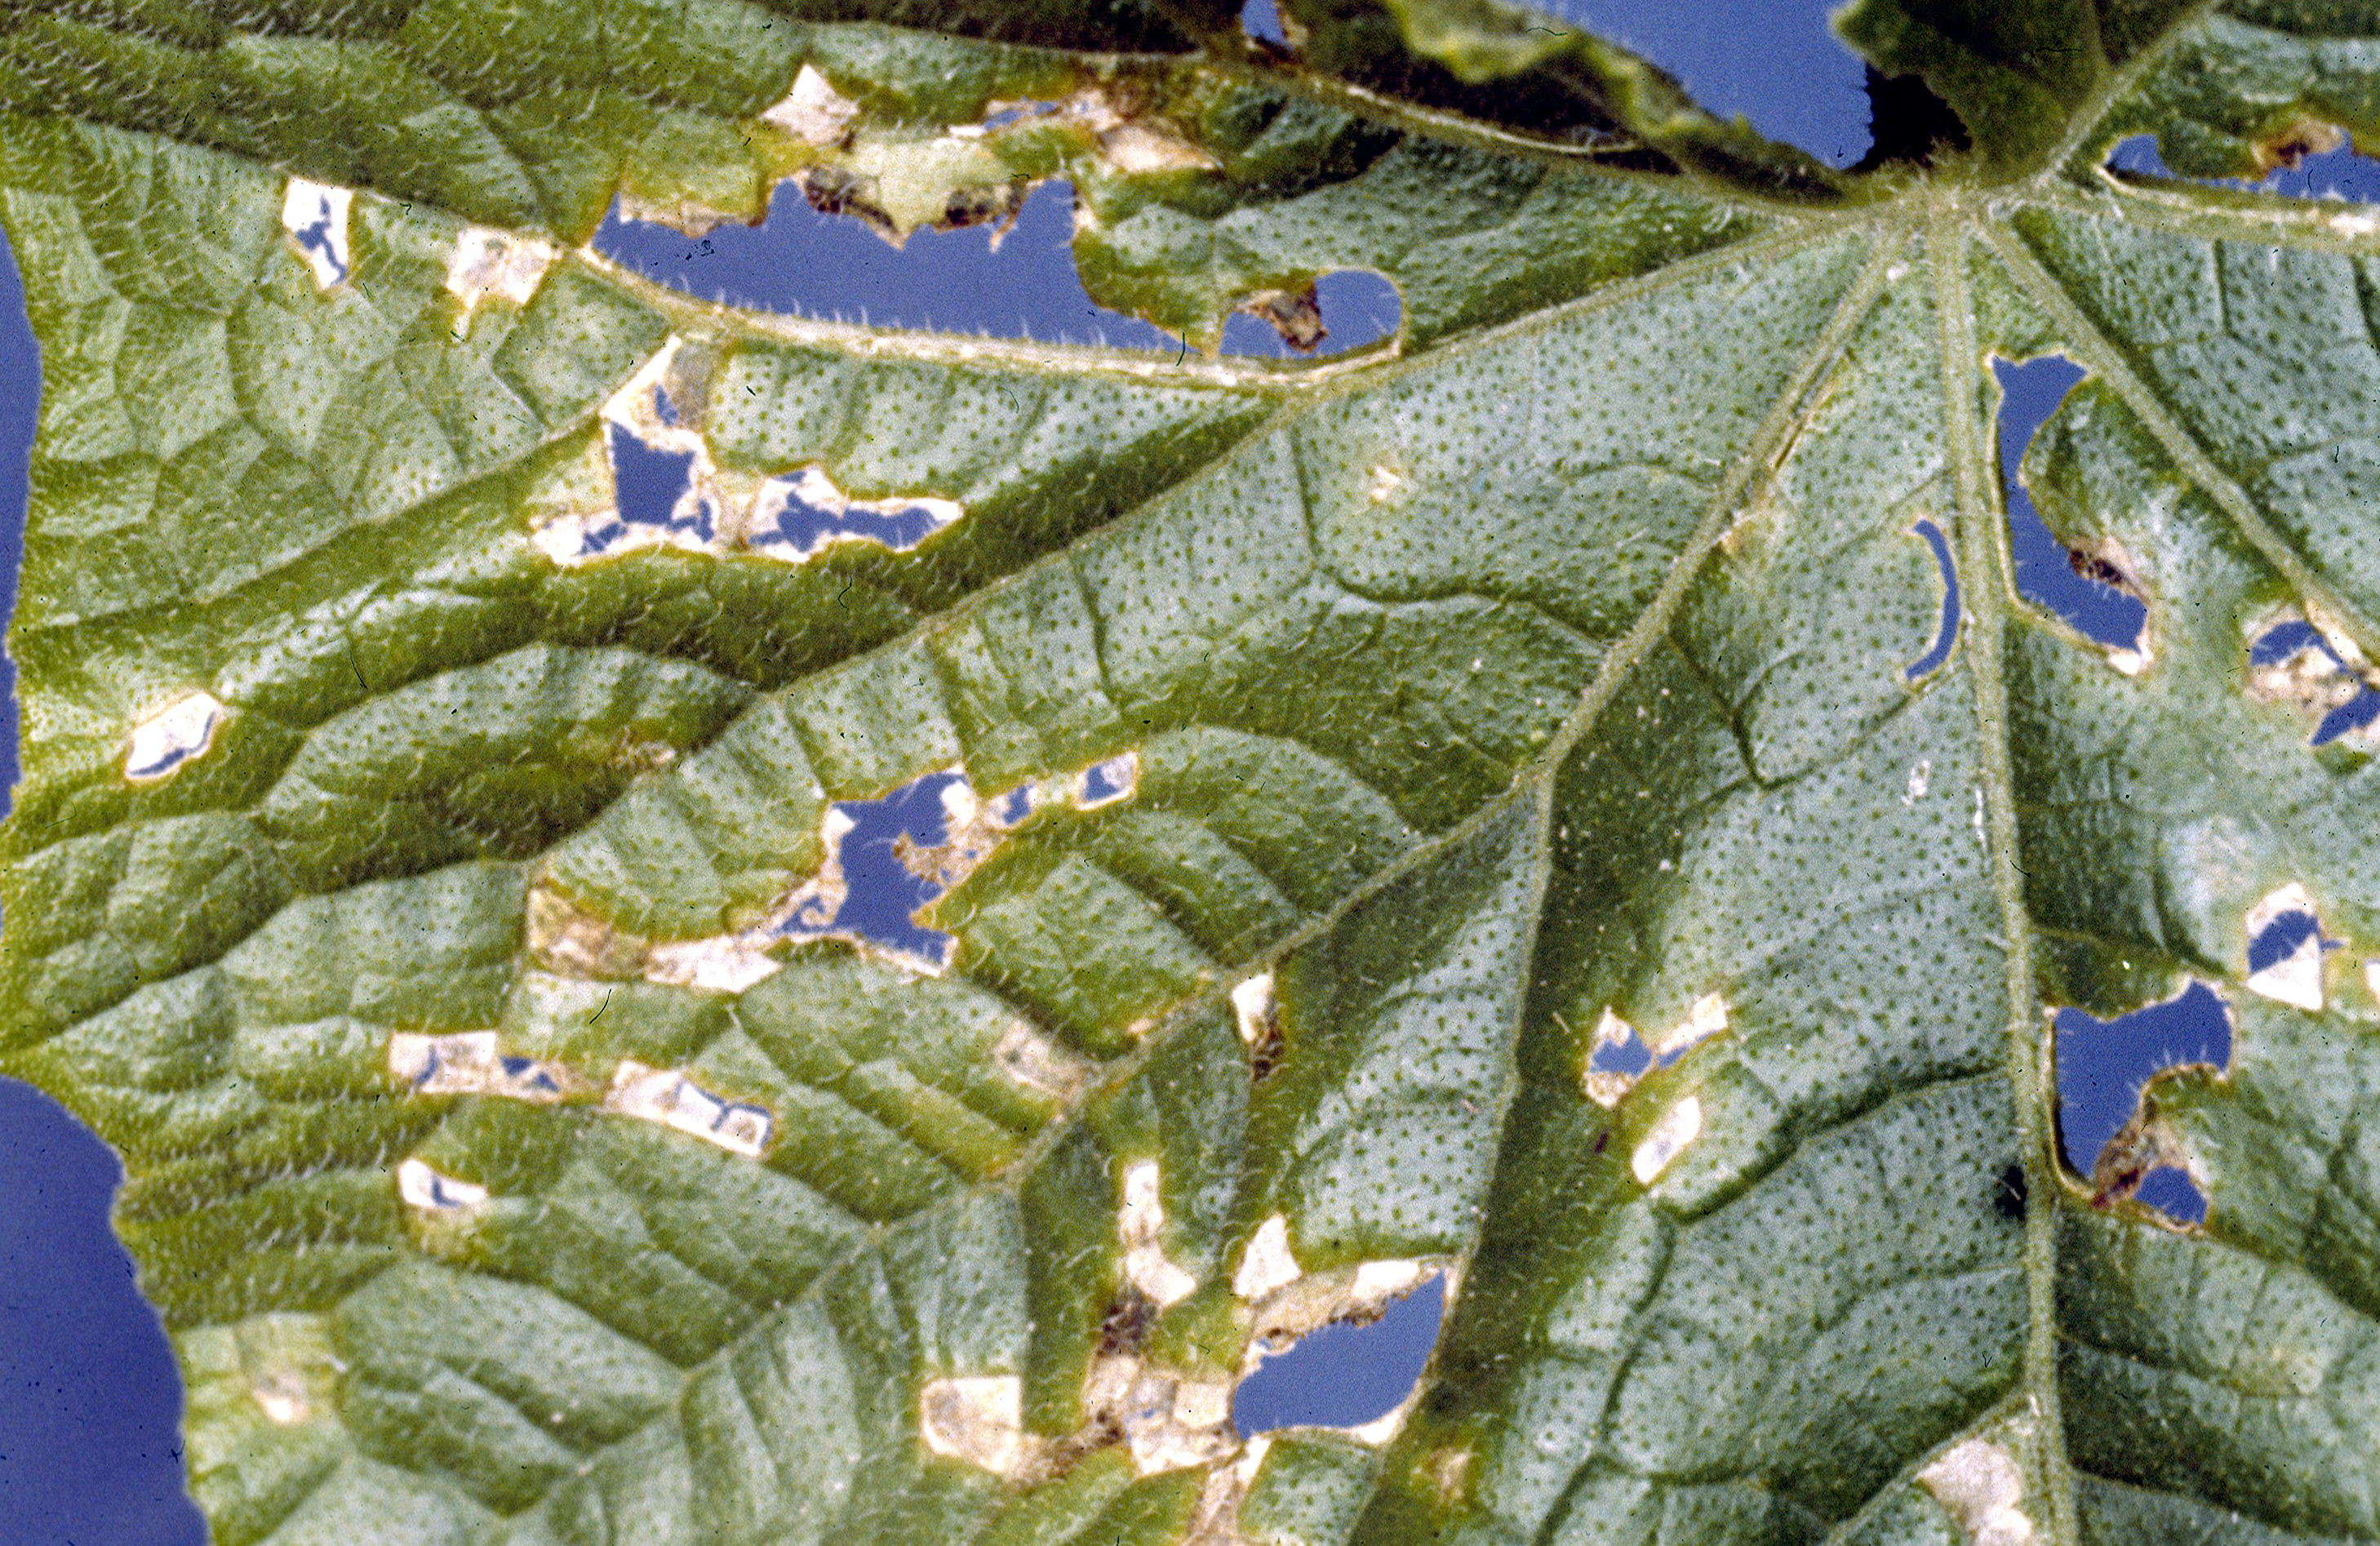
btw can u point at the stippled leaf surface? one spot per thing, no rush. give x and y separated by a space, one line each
415 895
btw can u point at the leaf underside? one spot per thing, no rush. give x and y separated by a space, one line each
503 1170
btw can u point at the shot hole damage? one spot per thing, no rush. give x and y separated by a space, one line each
884 860
1005 269
1349 1373
893 855
663 487
170 734
315 215
2106 1131
2308 159
475 1063
2089 590
2293 662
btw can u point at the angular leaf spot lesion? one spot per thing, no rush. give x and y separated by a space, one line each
670 1098
486 261
172 734
979 1418
1979 1484
1257 1015
315 215
813 111
1668 1136
1268 1264
1252 1007
1169 1422
716 963
1038 1063
421 1186
474 1062
1140 1225
285 1402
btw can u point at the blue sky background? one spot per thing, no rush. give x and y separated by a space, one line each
89 1399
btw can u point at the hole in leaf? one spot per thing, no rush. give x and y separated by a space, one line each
2310 161
2285 949
2356 713
653 482
2169 1190
806 514
1617 1055
1344 1374
1626 1055
2104 1066
1948 631
2285 639
2281 939
1013 280
888 872
1261 20
1107 782
2087 591
1788 72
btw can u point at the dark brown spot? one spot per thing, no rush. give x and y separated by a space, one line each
2008 1197
2293 143
2090 565
1128 1322
1265 1055
982 206
1296 315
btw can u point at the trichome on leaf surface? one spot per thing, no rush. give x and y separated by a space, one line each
427 872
